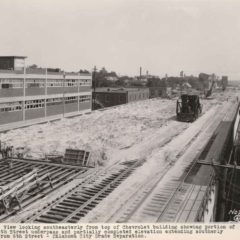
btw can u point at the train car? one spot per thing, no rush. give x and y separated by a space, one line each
188 108
213 172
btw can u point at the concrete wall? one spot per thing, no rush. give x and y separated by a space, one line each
85 89
71 90
34 113
9 117
84 105
109 99
55 109
35 91
71 107
11 92
55 90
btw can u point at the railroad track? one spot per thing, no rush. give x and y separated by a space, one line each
184 196
160 201
76 203
59 175
155 203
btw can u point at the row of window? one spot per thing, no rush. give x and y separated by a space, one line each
18 83
11 83
121 98
55 83
11 107
85 98
138 96
39 103
54 101
70 99
40 83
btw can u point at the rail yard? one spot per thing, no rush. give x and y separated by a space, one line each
138 164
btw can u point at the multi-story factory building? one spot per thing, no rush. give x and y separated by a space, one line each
34 95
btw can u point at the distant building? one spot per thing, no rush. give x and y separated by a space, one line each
12 62
163 92
30 95
108 97
224 82
143 79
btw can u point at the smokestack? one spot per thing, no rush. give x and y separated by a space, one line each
140 71
181 74
147 73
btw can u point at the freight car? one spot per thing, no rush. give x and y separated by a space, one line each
217 170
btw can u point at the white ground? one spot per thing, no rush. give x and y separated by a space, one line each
126 132
133 131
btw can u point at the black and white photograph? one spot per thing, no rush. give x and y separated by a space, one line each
120 112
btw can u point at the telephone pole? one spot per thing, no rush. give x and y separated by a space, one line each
94 87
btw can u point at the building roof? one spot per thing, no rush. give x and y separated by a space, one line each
42 71
11 71
118 90
13 57
110 90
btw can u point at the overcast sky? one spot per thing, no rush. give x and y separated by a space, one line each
122 35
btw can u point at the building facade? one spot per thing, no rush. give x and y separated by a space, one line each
164 92
224 82
108 97
34 95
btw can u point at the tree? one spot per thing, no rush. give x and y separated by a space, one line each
112 74
120 83
156 82
33 66
83 71
136 83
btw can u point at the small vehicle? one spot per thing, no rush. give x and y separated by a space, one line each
188 108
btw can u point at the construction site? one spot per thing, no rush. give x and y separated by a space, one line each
146 161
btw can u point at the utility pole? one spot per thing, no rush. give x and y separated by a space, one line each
24 90
64 88
94 87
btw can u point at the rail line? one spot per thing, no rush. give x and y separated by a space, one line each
187 194
151 184
76 203
59 175
165 203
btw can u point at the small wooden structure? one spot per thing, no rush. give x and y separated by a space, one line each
72 157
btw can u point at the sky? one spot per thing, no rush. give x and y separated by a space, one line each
163 37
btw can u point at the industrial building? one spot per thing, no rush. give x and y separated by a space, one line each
108 97
34 95
163 92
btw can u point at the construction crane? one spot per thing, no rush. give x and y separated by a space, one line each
208 93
